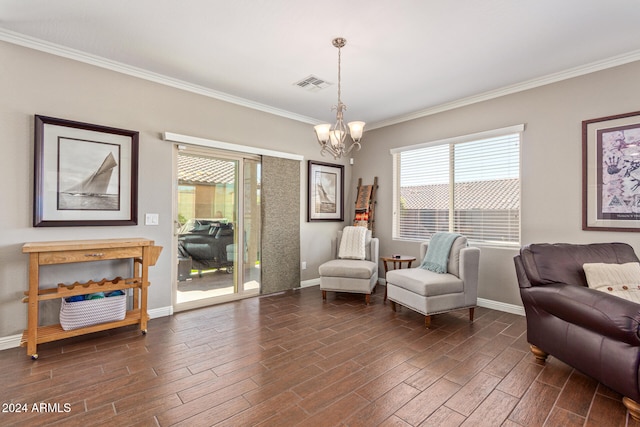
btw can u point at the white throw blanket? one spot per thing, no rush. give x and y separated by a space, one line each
352 243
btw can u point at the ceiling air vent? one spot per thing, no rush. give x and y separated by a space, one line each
313 83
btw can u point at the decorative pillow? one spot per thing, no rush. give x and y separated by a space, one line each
622 280
352 244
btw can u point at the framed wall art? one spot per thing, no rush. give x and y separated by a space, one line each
611 173
84 174
326 192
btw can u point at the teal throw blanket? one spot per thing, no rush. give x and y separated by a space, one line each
437 256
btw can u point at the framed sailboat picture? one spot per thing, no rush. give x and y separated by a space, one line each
85 174
325 194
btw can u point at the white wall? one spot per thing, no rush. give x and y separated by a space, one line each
38 83
33 82
551 163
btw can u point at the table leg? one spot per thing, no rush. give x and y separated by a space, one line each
385 281
33 308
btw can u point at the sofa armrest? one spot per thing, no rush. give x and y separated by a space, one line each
594 310
469 267
523 280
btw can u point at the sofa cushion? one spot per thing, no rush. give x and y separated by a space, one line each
547 263
425 282
356 269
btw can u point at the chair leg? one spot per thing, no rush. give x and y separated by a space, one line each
427 321
393 305
471 311
324 295
633 407
367 298
538 353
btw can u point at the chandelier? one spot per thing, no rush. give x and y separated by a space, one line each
332 139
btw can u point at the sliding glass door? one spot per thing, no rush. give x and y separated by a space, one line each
218 227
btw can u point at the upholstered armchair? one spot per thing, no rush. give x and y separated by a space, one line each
355 268
429 292
591 330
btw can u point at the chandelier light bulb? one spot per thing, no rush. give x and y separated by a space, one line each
322 132
356 129
337 138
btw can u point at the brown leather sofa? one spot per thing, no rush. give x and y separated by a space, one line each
594 332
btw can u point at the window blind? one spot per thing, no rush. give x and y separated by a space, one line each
470 186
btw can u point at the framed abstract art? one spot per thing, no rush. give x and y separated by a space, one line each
611 173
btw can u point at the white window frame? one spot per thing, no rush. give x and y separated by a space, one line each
450 142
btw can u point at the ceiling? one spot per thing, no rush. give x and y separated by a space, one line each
403 58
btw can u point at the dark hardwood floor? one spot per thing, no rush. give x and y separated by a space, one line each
290 359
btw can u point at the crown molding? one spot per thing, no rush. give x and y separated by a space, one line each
77 55
518 87
98 61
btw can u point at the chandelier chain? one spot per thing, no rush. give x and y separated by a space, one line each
339 61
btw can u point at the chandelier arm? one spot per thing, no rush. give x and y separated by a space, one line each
328 148
355 145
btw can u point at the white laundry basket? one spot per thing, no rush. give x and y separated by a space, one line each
78 314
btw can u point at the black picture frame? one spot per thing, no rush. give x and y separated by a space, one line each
84 174
325 193
611 173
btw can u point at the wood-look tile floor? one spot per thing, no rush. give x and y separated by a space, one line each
292 359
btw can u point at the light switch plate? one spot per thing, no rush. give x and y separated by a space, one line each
151 219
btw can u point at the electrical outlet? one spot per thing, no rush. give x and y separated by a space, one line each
304 265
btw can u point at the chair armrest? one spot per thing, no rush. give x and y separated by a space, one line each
590 309
423 250
375 250
469 266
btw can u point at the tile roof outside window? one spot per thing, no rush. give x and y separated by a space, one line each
502 194
201 170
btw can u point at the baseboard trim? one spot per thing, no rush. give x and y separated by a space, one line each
160 312
501 306
12 341
310 282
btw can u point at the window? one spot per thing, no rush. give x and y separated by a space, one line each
468 185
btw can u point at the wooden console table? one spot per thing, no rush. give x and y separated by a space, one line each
141 251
